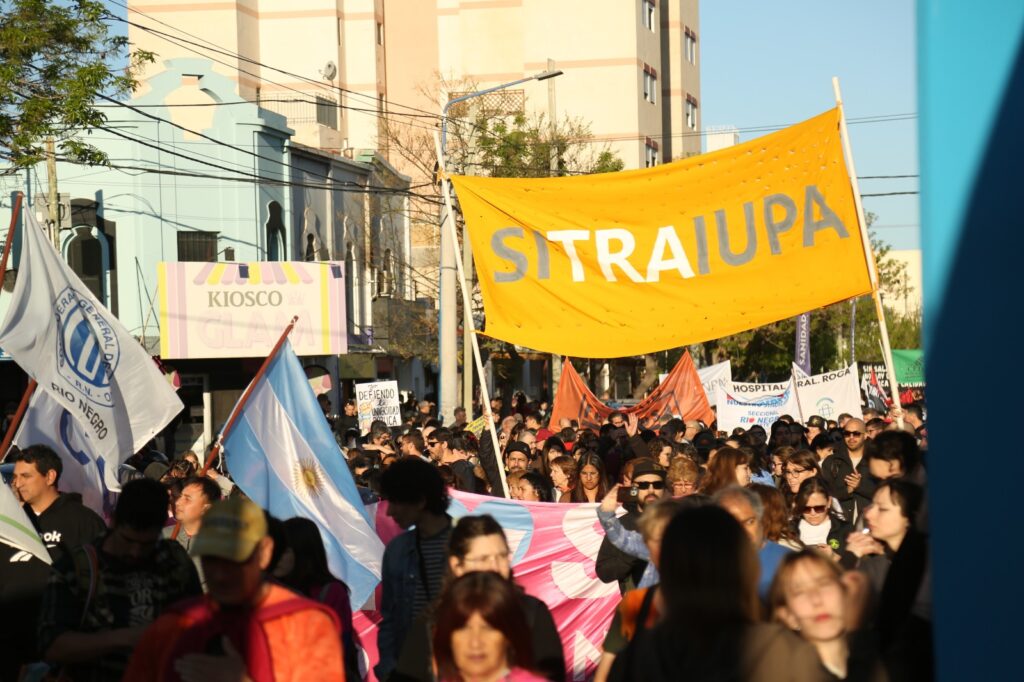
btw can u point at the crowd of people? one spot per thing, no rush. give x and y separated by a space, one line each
797 552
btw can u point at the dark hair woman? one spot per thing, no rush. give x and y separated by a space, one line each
730 466
477 543
776 516
800 466
895 557
591 481
710 630
815 521
535 487
782 437
310 576
481 633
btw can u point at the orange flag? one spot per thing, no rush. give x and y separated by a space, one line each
680 394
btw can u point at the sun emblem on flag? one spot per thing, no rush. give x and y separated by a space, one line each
309 477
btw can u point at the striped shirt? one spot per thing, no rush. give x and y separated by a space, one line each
433 551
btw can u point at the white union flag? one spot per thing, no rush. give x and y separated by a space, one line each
81 355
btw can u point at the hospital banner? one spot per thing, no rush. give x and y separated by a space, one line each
741 404
627 263
678 395
237 310
554 549
829 394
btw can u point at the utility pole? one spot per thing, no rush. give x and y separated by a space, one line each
467 327
555 365
54 206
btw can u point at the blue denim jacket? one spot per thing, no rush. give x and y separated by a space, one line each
631 542
400 575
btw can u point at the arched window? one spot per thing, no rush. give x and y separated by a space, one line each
87 253
275 232
386 276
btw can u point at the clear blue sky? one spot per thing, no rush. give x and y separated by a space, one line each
768 63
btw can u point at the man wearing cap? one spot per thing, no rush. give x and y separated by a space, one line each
612 563
815 425
245 627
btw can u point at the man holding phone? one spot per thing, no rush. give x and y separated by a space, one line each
648 485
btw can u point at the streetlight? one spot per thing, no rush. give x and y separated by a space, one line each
447 324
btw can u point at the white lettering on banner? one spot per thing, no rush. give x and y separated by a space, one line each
668 239
570 577
584 656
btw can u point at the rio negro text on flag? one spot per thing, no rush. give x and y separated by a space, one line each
81 355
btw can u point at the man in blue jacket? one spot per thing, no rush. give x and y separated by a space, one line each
414 562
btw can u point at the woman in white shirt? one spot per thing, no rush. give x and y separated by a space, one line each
815 521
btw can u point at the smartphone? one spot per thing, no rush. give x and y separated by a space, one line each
627 494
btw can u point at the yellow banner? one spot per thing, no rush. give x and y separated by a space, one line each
634 262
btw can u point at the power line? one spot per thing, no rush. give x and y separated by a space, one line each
209 45
178 42
260 103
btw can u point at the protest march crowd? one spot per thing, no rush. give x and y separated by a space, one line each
666 541
793 553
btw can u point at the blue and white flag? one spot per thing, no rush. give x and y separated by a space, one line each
83 471
81 355
282 454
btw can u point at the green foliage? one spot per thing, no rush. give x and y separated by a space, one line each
523 147
54 58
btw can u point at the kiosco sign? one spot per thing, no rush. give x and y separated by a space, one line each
238 310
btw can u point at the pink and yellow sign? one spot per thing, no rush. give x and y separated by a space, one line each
238 310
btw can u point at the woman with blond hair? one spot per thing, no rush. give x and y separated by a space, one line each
682 477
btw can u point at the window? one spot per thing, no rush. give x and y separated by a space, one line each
650 84
197 246
648 8
650 153
326 112
691 46
691 112
85 256
275 232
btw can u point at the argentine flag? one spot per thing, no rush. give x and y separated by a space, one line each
282 454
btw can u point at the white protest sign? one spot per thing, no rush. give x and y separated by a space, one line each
713 376
378 400
830 394
746 404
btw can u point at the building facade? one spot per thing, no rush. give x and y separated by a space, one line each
227 183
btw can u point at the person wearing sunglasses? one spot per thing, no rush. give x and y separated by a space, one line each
816 522
848 474
614 565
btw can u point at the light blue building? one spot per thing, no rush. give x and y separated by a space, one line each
198 174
